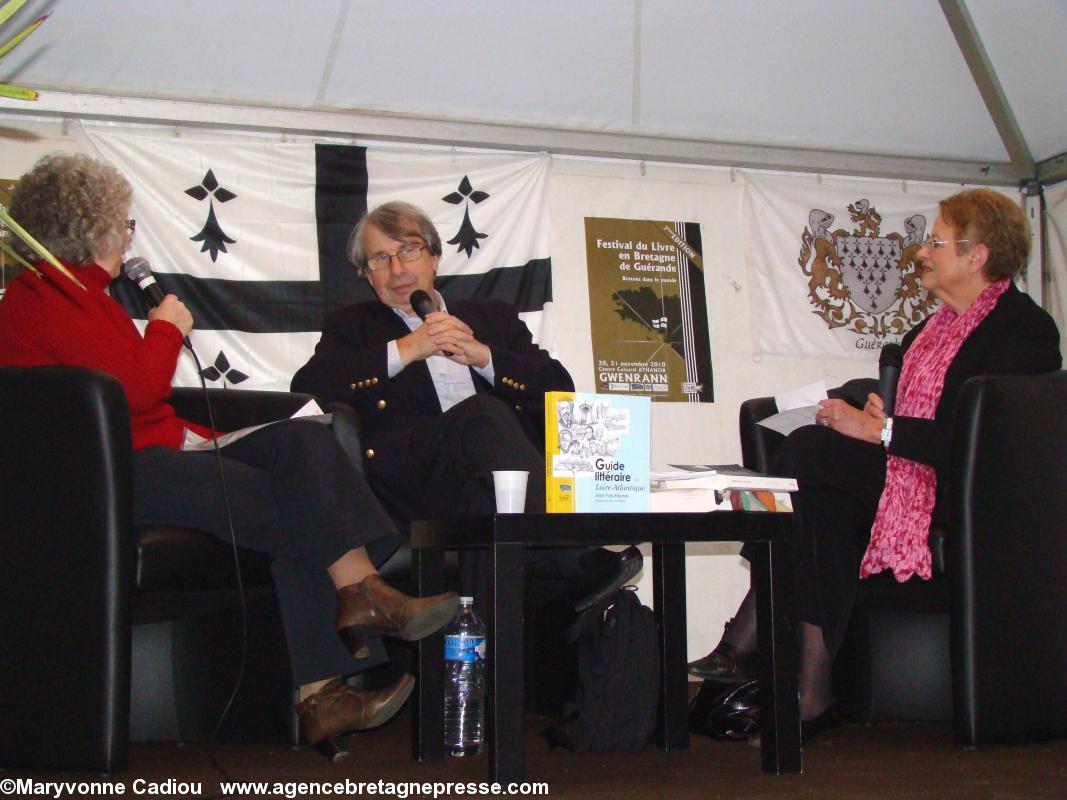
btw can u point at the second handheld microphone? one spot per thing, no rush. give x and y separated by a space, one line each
889 363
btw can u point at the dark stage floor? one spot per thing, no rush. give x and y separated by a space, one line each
884 761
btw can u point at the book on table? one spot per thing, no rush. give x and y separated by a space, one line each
719 487
597 452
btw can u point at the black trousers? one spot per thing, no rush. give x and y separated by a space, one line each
449 461
293 495
451 458
840 480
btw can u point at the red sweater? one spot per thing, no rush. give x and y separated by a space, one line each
50 320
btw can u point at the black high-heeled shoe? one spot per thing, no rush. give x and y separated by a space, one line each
724 664
810 728
827 720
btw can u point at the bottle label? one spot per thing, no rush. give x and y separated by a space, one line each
464 648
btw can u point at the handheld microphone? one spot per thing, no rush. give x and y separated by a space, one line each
889 363
422 305
138 270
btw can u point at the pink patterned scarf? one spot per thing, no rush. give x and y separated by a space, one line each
902 525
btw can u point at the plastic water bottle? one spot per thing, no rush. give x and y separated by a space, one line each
464 681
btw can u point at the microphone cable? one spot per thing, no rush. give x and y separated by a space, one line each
213 735
139 271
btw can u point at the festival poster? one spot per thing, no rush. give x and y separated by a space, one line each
647 309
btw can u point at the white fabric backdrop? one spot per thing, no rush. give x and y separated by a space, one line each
272 218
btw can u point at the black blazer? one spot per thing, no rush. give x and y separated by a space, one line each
1017 337
350 365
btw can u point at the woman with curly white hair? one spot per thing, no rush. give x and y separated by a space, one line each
293 491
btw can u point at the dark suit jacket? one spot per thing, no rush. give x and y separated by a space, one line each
350 365
1016 338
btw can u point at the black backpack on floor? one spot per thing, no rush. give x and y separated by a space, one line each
614 708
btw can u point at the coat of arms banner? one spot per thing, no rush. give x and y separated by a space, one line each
834 263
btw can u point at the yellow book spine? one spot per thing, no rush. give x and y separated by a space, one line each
559 491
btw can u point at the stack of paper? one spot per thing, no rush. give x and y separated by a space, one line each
796 407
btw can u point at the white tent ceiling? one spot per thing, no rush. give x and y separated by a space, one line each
835 85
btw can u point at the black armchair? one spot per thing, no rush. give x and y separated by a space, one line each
985 642
109 634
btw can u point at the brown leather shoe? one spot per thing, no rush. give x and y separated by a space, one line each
374 608
337 709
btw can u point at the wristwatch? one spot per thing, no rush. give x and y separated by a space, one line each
887 432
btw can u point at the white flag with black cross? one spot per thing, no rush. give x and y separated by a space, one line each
251 236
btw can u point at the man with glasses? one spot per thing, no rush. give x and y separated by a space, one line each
447 399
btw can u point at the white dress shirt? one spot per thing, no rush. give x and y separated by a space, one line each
451 381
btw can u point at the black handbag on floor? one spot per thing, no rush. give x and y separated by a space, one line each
614 708
726 712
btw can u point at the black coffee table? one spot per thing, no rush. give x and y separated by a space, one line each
505 536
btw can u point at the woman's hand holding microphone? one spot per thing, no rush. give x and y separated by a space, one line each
173 310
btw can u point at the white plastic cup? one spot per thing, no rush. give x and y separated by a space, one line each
510 486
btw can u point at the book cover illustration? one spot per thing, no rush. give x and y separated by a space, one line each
758 500
597 452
